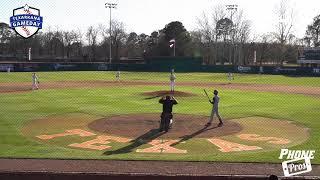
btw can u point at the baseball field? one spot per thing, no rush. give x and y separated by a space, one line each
89 115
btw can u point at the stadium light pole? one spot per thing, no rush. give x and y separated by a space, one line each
110 6
232 8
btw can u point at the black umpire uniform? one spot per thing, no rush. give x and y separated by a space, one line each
166 114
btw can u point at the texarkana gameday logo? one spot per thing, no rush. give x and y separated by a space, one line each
26 21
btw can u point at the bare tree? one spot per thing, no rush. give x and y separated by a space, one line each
240 35
222 36
78 43
118 37
207 27
92 34
54 42
69 37
284 27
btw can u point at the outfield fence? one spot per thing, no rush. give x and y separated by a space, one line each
158 67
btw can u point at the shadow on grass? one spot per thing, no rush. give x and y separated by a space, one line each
151 135
190 136
141 140
152 97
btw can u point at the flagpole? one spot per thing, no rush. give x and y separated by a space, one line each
173 41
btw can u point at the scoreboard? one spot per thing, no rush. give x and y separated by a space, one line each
309 56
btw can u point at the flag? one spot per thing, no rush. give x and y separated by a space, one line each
172 42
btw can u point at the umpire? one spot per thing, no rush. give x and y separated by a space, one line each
166 115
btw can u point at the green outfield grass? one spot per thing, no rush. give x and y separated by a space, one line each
19 109
147 76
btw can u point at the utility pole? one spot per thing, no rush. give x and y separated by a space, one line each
110 6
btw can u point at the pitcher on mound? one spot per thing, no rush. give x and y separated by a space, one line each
172 81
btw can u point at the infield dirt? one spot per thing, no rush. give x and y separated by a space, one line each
26 87
143 126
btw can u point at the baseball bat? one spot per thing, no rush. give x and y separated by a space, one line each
206 94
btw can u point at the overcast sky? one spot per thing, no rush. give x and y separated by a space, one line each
145 16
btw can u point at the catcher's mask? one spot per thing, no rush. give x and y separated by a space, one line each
215 92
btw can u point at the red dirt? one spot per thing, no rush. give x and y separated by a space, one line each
26 87
144 126
46 169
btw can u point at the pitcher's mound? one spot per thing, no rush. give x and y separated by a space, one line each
164 93
184 126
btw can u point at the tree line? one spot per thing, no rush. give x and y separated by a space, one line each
220 38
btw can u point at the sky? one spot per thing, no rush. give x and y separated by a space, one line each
146 16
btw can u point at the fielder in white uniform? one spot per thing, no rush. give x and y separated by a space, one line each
35 81
230 77
215 109
172 80
118 76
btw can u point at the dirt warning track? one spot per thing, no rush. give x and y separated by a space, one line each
26 87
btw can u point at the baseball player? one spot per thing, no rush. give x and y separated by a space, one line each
215 109
260 70
35 81
230 77
172 80
118 76
166 115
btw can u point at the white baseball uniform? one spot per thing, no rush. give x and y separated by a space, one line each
118 75
172 81
230 76
215 109
35 81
